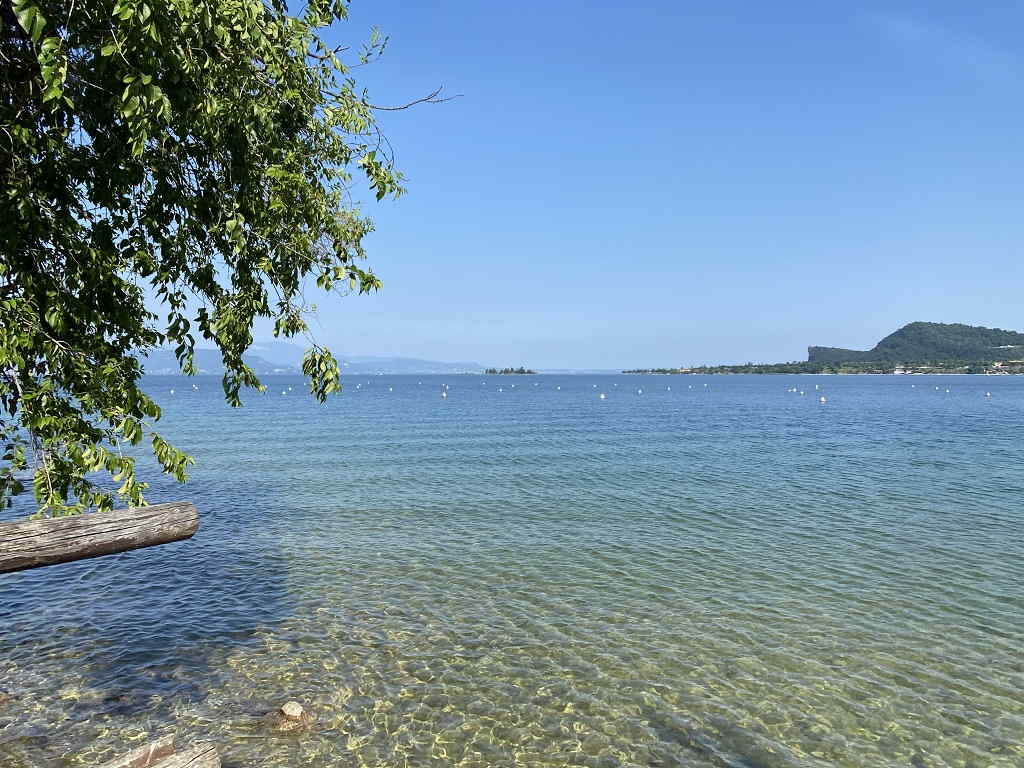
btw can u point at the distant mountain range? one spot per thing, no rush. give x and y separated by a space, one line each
267 358
372 365
162 362
931 342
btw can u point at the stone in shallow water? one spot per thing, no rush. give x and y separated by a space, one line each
292 716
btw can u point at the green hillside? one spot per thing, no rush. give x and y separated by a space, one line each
929 342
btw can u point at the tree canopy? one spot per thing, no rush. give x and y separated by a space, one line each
196 156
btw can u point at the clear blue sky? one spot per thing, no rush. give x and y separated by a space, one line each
662 182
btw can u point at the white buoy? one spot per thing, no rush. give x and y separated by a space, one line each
391 389
815 386
802 392
444 393
988 394
668 389
558 388
823 399
639 391
947 391
172 391
602 396
501 389
705 385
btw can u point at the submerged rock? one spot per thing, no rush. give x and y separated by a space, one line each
291 716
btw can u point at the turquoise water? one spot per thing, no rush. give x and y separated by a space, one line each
730 575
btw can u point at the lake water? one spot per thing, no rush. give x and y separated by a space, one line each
715 572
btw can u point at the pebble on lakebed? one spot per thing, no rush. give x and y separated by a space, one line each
291 716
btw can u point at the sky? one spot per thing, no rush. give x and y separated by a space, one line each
672 183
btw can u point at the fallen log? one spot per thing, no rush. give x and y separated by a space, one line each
161 754
202 755
35 543
146 756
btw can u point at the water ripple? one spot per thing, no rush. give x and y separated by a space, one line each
728 576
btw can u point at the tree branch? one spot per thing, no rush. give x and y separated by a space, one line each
431 98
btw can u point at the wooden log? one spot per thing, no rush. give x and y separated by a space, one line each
201 755
145 756
35 543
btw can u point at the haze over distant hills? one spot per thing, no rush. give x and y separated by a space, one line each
162 362
929 342
915 343
369 365
279 357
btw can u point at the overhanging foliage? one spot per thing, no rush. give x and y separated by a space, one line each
196 155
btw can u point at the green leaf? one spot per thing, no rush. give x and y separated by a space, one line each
30 18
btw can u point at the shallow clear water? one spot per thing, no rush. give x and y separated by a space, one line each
725 575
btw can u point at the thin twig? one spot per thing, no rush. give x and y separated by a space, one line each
430 98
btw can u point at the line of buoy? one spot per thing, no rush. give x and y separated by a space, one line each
602 395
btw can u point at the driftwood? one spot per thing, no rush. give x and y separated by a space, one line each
35 543
202 755
145 756
161 754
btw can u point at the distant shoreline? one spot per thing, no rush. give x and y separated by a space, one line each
783 370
